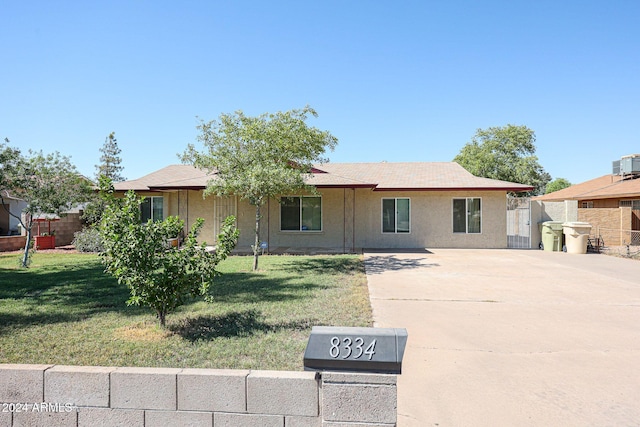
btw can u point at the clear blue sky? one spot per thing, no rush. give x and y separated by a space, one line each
394 81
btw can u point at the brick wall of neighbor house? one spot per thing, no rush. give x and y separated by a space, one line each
603 203
609 223
92 396
11 243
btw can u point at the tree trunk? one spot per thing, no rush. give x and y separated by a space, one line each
256 245
162 316
27 246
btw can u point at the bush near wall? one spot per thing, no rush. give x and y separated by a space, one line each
88 240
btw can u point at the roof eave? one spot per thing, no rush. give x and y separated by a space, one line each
344 186
512 189
182 187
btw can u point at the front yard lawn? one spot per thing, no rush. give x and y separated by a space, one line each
64 310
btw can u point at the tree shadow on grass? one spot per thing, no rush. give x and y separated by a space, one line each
58 294
250 288
234 324
330 264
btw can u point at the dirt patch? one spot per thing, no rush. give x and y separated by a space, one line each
632 252
144 331
69 249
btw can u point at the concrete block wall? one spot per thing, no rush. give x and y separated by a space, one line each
11 243
66 228
78 396
542 211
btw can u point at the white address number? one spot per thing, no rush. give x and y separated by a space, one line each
351 348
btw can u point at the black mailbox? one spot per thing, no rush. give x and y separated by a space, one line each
355 349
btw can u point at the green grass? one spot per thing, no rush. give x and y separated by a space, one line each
65 310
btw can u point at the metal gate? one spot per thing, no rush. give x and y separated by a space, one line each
518 222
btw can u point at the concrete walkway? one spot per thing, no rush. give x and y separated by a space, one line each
512 338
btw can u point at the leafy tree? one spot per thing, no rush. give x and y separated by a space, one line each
48 184
9 157
505 153
158 275
109 167
110 159
257 158
556 185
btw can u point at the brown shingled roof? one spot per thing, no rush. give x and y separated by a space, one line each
170 177
379 176
416 176
604 187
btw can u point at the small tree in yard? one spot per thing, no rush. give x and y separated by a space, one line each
48 184
257 158
158 275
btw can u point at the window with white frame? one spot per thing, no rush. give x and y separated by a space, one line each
301 213
467 215
396 215
587 205
152 209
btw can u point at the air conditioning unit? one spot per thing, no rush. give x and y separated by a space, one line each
630 164
615 166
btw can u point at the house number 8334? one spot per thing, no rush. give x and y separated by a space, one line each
347 347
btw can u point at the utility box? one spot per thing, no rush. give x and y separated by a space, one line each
576 236
551 232
378 350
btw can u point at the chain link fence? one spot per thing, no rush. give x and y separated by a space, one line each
616 241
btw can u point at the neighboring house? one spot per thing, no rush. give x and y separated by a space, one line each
358 205
610 203
64 227
10 238
9 225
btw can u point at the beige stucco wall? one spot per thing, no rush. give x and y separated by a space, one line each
334 235
188 205
246 220
200 207
431 221
345 229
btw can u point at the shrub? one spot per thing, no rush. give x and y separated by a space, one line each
159 276
88 240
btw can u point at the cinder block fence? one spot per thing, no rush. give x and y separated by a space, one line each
53 395
12 243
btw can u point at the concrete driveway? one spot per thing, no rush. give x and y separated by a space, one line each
512 338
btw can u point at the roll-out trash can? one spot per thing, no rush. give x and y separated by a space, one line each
576 236
551 232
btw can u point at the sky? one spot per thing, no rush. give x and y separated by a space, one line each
392 80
